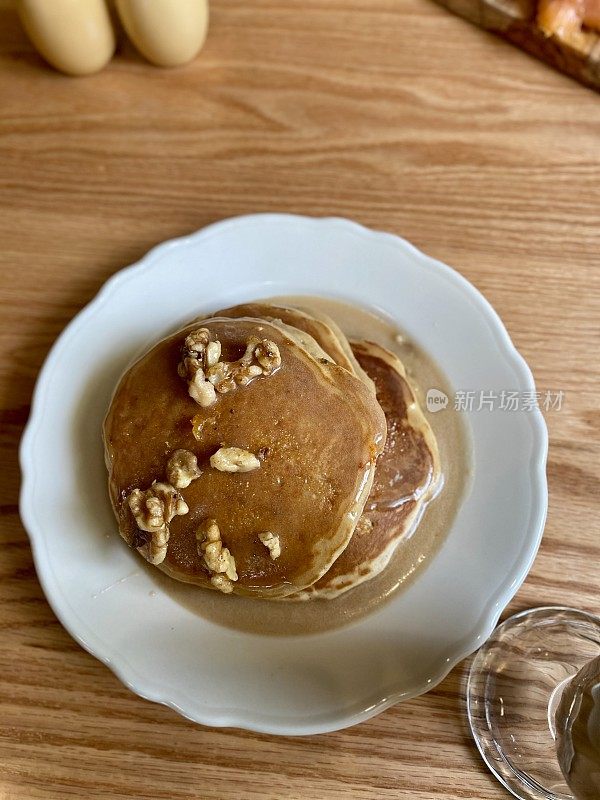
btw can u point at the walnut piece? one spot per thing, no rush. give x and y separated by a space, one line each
197 353
182 469
271 542
268 356
217 558
153 510
156 506
363 526
197 341
222 583
234 459
208 376
200 390
213 353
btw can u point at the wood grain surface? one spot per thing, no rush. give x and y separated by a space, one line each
392 112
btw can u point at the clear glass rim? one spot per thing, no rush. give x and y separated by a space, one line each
540 792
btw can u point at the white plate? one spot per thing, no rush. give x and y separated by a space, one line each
296 684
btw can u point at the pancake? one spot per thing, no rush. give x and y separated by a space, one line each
317 325
289 451
407 476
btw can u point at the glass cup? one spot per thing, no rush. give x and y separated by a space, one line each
532 706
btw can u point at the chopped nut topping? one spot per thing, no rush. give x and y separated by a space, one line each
217 558
182 469
245 375
213 353
153 510
363 526
271 542
268 356
197 341
207 375
156 506
222 583
218 372
234 459
200 390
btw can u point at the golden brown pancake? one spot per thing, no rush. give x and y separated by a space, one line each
407 476
317 325
315 428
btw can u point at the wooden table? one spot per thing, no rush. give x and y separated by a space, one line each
394 113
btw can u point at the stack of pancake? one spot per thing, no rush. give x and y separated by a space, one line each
259 452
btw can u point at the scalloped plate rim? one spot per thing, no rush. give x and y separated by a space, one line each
265 723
